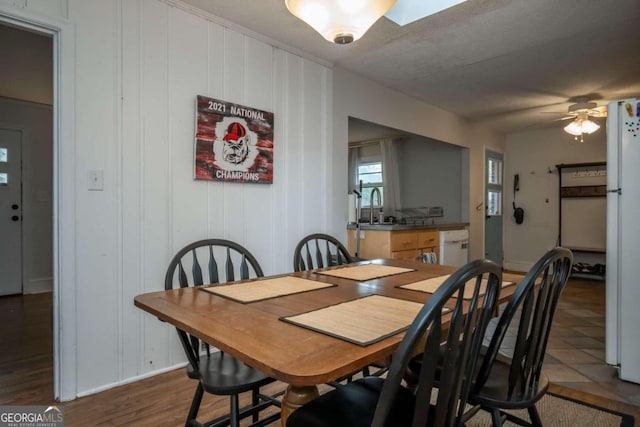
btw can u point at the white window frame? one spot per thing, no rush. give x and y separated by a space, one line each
380 185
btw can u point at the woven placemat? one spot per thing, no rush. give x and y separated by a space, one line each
264 289
432 285
362 321
365 272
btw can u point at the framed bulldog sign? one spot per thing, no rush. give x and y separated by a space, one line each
233 143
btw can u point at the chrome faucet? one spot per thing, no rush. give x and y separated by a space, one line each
374 191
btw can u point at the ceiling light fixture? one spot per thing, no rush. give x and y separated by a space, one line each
340 21
580 126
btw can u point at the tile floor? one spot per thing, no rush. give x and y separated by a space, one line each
576 349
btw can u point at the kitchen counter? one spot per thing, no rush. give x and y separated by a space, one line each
395 227
398 241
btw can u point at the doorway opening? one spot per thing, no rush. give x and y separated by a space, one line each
27 122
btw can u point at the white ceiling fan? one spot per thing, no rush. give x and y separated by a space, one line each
584 107
581 112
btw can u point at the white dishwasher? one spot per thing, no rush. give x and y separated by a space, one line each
454 247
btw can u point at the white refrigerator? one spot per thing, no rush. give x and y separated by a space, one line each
623 238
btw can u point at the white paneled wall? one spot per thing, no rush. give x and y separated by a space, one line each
139 65
54 8
158 59
98 284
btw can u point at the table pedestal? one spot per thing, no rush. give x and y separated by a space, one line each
294 398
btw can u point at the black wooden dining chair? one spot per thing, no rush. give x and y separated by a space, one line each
376 401
319 251
518 382
219 261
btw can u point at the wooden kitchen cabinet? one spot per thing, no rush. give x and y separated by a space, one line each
412 254
429 241
402 240
396 244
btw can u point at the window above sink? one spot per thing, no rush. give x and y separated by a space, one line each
370 174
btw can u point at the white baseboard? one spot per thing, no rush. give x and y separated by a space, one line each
131 380
37 286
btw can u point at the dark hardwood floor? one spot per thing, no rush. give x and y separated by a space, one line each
26 358
575 363
26 377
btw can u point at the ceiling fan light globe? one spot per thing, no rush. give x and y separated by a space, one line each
589 127
581 126
573 128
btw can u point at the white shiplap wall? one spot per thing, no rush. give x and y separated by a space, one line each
158 58
139 65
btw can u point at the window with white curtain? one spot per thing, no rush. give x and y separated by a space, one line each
370 174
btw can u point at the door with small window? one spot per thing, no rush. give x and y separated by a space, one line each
10 212
494 169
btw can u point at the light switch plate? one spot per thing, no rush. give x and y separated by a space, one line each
95 180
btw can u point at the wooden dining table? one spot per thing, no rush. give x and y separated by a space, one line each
303 358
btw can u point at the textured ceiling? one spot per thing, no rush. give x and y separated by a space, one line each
509 63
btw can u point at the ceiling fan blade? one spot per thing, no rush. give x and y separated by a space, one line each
598 111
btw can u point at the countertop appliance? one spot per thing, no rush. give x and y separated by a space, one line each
454 247
623 238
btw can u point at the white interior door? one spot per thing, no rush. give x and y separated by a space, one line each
10 212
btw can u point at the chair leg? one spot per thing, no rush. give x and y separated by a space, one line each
234 413
535 417
496 417
195 405
255 400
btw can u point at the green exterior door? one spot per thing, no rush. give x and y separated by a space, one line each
493 173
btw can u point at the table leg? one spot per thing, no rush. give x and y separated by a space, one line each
294 398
